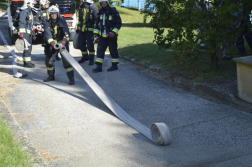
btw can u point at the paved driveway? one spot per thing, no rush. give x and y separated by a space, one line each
70 126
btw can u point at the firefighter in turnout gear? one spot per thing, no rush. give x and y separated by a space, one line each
25 25
108 24
87 18
56 31
42 16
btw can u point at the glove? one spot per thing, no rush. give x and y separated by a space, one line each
111 35
63 42
77 31
54 47
96 40
21 36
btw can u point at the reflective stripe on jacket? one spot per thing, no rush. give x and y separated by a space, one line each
25 23
87 17
113 21
56 32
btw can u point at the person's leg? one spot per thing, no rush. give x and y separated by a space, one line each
48 62
82 44
68 68
27 52
90 46
102 46
114 54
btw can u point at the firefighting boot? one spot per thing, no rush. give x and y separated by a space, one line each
98 68
91 60
71 81
113 67
82 60
29 65
50 78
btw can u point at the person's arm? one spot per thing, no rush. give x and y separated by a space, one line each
95 11
97 27
66 32
48 35
79 21
118 21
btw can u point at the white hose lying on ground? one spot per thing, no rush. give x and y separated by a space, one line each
15 58
159 133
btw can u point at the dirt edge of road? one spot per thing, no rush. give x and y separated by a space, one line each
7 81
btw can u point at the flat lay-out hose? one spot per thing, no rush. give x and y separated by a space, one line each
159 133
15 58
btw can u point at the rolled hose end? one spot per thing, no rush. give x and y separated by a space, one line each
160 134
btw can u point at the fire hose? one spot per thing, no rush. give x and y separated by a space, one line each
159 133
15 58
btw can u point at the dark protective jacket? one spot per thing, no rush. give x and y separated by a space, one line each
113 21
56 32
25 23
42 16
87 17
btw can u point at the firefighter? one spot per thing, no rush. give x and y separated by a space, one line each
87 18
56 31
25 25
42 16
108 24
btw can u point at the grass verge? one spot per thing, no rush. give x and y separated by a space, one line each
3 6
11 153
136 41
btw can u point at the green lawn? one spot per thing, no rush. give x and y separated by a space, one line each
11 153
131 15
135 40
3 6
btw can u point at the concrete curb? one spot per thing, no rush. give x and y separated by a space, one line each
202 88
20 135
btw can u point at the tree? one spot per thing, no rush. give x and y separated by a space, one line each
187 24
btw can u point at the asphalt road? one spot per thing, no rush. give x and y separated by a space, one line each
70 126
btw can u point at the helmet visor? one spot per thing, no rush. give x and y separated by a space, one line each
53 12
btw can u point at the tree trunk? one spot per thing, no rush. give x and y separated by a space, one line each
216 58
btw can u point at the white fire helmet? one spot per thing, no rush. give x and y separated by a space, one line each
43 2
53 9
29 3
88 1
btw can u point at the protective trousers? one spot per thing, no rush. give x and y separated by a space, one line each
86 43
27 53
51 54
102 46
